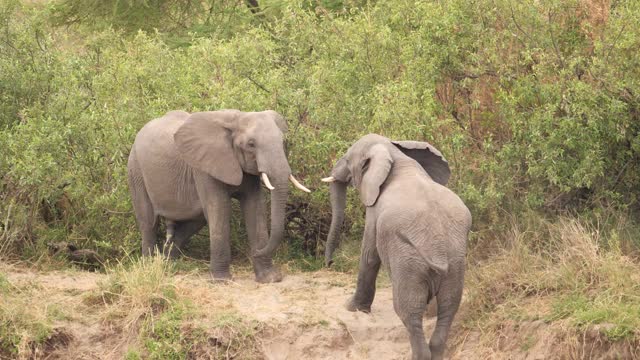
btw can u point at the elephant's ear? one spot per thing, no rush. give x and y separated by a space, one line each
204 142
279 120
375 170
429 157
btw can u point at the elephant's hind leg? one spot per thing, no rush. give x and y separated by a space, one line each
145 215
449 297
410 299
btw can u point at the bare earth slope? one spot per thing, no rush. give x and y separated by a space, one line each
303 318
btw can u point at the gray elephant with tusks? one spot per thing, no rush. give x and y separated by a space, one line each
187 168
414 225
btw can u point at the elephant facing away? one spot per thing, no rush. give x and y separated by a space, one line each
414 225
186 168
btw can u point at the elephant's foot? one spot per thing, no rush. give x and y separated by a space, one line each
221 277
352 305
269 275
436 349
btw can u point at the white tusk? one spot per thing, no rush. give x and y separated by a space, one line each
266 181
329 179
297 184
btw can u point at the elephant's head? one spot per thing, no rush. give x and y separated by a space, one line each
366 165
228 144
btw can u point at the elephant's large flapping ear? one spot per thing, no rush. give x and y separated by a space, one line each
204 142
375 170
279 120
429 157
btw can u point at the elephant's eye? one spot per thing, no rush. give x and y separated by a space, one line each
251 143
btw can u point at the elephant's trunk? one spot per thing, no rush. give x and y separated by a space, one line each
279 178
338 191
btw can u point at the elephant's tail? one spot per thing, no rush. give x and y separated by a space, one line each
431 247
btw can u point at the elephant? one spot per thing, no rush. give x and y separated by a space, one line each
186 168
414 225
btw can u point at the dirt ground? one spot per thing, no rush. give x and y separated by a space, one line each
303 317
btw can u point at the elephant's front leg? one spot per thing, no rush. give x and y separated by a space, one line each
219 218
216 202
369 267
253 208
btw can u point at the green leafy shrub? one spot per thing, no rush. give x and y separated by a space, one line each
534 104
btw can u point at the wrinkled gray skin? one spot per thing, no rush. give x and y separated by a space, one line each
187 168
414 225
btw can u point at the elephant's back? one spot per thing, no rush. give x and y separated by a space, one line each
154 144
162 128
423 209
167 178
421 195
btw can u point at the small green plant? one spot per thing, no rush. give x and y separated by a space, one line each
621 318
133 355
165 337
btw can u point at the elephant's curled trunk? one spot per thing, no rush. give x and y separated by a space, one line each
338 192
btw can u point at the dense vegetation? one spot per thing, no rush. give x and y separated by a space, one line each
534 104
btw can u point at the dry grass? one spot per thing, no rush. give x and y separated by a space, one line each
230 336
135 291
167 318
570 274
28 313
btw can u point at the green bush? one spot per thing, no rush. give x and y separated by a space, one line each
534 104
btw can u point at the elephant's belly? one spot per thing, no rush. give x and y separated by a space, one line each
179 211
174 197
175 202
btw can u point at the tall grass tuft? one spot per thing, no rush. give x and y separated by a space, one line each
572 269
139 289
